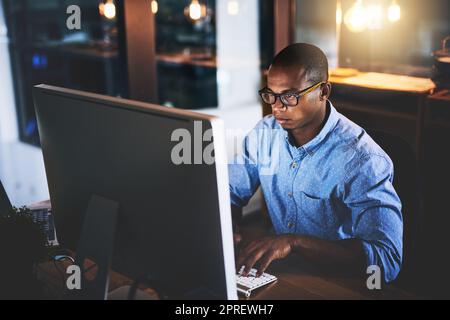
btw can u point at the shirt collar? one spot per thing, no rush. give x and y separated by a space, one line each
331 122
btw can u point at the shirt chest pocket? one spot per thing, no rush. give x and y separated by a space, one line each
317 211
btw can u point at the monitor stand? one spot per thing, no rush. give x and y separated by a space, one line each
95 247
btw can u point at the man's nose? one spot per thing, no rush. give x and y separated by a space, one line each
278 105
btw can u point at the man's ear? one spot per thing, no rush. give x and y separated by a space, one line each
325 91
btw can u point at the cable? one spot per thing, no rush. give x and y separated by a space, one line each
59 258
63 257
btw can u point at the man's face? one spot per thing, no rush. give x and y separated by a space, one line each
290 80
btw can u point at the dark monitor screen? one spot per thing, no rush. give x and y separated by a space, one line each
174 222
5 205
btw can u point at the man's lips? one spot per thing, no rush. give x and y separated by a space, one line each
281 120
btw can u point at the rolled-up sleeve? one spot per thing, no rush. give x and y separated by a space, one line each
376 212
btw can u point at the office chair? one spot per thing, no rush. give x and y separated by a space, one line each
406 183
5 204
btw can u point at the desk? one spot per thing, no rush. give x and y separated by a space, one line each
299 280
190 59
54 285
384 81
296 280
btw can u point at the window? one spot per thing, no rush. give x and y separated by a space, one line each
186 53
206 53
44 50
215 59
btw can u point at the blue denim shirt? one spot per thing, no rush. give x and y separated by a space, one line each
337 186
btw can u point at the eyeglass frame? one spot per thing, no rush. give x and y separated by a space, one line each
297 94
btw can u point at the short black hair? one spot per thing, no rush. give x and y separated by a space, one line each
304 56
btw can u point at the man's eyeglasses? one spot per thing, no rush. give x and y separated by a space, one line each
289 99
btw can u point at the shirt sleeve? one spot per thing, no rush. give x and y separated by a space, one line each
376 213
243 172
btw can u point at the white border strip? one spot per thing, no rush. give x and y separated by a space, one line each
224 206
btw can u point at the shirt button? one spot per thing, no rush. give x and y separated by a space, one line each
290 225
290 194
294 165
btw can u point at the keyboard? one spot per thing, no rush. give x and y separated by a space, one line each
245 285
42 212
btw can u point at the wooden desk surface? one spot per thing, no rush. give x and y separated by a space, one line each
295 282
384 81
192 59
52 278
296 279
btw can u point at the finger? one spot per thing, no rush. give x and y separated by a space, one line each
247 251
252 259
252 246
265 262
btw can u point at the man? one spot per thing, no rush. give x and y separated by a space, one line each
327 184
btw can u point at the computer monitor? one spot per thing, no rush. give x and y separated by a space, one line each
174 222
5 205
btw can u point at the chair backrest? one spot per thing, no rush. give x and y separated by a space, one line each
406 183
5 204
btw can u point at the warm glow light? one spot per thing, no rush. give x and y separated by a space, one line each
356 17
154 5
195 10
109 10
394 12
360 17
374 14
233 7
